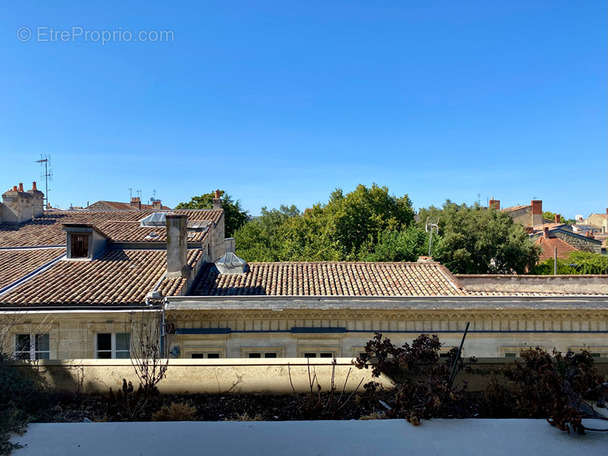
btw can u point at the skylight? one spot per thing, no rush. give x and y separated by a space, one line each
154 219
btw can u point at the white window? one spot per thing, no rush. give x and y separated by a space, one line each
113 345
32 346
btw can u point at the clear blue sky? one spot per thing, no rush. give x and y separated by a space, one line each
280 102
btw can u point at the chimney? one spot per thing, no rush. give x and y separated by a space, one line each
37 201
229 245
177 246
135 202
16 205
546 232
217 202
494 204
558 217
425 259
157 205
537 212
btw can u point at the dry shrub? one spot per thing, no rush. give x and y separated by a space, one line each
175 412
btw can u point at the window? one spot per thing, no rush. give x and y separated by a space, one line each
80 245
113 345
205 355
32 346
319 354
263 355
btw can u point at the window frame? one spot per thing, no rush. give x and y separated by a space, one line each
113 351
33 352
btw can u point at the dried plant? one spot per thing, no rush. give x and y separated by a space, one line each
180 411
423 386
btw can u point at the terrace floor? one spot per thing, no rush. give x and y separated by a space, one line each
469 437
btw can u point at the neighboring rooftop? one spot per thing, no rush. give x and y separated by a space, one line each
332 279
120 226
118 277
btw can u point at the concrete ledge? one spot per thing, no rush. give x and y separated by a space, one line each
298 438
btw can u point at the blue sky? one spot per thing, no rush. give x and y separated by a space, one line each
282 102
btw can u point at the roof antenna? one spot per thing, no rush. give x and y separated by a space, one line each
130 193
47 175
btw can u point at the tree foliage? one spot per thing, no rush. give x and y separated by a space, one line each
348 227
234 215
577 263
477 240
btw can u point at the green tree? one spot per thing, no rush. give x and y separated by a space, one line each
234 215
476 240
577 263
346 228
405 245
261 239
359 218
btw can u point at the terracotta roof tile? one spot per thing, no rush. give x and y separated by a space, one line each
121 226
118 277
15 264
332 279
549 244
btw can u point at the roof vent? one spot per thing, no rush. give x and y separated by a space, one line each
231 264
154 219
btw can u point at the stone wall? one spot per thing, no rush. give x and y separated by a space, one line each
566 283
237 376
586 245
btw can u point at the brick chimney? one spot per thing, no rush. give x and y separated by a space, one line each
546 232
537 212
135 202
16 205
217 202
157 205
494 204
37 201
177 246
558 217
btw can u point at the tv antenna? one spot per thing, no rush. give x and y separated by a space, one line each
47 175
139 194
130 193
429 227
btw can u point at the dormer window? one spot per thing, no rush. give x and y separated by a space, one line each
84 241
79 246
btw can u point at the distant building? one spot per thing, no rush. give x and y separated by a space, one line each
134 204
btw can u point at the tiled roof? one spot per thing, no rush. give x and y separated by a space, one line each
121 226
118 277
115 205
332 279
549 244
15 264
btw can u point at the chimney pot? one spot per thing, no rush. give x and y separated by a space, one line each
557 218
21 187
14 188
217 202
34 186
